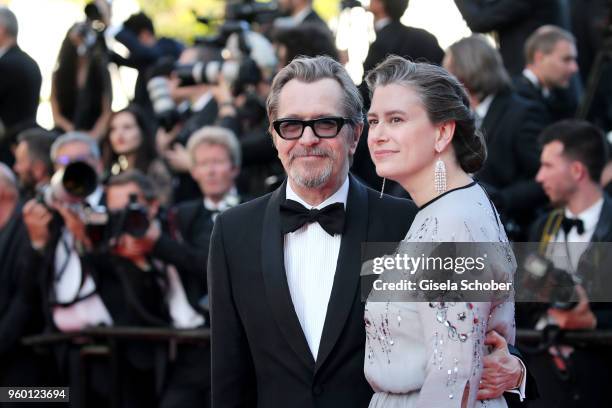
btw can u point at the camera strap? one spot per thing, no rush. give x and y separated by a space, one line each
551 228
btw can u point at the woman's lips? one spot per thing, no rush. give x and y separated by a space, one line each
382 153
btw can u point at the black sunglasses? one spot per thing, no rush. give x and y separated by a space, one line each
324 128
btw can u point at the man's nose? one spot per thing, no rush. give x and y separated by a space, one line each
308 137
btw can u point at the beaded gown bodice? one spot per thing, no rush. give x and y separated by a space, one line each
425 354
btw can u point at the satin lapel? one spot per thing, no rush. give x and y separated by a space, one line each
275 280
346 279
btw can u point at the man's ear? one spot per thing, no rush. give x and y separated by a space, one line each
578 170
537 57
444 135
357 130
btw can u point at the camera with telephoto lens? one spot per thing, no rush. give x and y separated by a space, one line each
104 226
69 185
543 281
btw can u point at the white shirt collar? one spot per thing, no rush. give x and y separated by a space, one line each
382 23
230 199
4 49
482 108
590 216
527 73
201 102
340 196
94 198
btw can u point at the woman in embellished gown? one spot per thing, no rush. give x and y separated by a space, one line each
422 135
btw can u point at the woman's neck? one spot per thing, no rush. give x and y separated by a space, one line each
421 186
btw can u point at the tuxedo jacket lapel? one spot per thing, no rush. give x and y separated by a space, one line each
346 279
275 279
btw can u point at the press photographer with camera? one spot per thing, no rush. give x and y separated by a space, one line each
81 93
145 48
573 156
81 285
189 86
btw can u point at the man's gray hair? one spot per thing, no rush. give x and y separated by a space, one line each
310 70
71 137
545 39
478 66
9 21
216 135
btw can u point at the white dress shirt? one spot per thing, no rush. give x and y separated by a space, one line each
311 255
536 82
90 311
567 257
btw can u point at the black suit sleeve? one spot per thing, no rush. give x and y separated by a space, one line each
494 15
183 256
531 388
522 195
233 375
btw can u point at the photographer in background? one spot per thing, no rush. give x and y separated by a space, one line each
178 256
573 156
33 164
145 49
81 290
201 110
81 93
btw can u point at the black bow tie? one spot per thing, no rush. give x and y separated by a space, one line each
569 223
294 215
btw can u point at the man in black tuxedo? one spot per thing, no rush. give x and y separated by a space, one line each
286 312
512 20
510 125
20 82
551 63
573 156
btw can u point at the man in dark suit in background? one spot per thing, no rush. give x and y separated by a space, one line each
20 82
20 308
392 37
551 63
215 156
297 12
510 125
512 21
286 311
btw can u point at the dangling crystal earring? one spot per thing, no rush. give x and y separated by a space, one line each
382 189
440 176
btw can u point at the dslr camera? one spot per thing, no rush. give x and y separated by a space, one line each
542 281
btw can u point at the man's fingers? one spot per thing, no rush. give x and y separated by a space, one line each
495 339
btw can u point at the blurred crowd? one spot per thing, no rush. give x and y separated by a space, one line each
105 219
